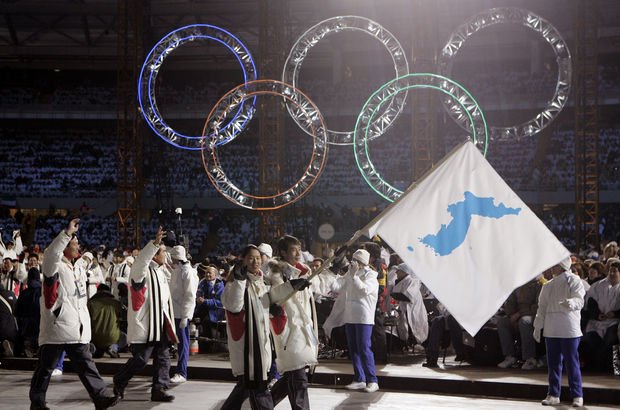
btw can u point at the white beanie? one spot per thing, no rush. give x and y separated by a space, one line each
178 253
405 268
361 255
265 249
566 263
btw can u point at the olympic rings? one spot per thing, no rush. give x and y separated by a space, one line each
549 33
154 61
231 101
314 34
463 105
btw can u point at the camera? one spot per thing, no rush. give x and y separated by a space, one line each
178 211
170 239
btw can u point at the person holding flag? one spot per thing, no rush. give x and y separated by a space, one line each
558 318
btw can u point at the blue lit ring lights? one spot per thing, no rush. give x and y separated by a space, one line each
304 109
152 64
312 36
462 105
549 34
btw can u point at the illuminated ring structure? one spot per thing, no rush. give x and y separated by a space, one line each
549 33
304 108
312 36
153 63
462 105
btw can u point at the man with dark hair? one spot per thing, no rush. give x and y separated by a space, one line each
150 320
294 326
65 322
105 311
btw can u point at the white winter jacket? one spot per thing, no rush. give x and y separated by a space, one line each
183 288
296 337
241 316
559 306
64 314
150 309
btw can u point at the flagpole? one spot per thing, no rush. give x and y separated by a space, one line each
359 233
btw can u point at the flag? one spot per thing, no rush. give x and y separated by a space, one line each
468 237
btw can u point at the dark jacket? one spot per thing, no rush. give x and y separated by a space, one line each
27 310
105 311
8 325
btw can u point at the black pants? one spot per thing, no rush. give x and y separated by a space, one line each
141 353
82 361
294 384
378 339
260 398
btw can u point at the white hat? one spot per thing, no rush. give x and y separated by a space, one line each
89 256
265 249
405 268
566 263
10 254
178 253
361 255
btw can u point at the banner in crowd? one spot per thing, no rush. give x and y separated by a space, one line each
468 237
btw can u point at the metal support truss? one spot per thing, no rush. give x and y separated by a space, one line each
423 102
272 45
129 141
586 126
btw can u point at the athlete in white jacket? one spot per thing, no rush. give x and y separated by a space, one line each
65 322
246 300
295 330
150 325
183 288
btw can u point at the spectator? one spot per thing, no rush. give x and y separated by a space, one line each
208 301
105 312
28 313
8 324
520 309
603 307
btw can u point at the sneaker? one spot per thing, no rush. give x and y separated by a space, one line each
578 402
56 372
355 386
508 362
530 364
8 348
177 379
112 353
550 401
371 387
430 364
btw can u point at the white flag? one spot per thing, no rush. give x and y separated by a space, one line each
468 237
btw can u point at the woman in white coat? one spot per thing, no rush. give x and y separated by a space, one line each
359 288
246 301
558 319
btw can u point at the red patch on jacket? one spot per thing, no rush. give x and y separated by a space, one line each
50 292
304 270
137 297
236 324
278 323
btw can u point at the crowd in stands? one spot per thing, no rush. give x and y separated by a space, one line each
39 163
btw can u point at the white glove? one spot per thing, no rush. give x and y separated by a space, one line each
537 334
183 323
569 303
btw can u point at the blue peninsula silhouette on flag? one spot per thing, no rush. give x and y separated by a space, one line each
451 236
467 236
